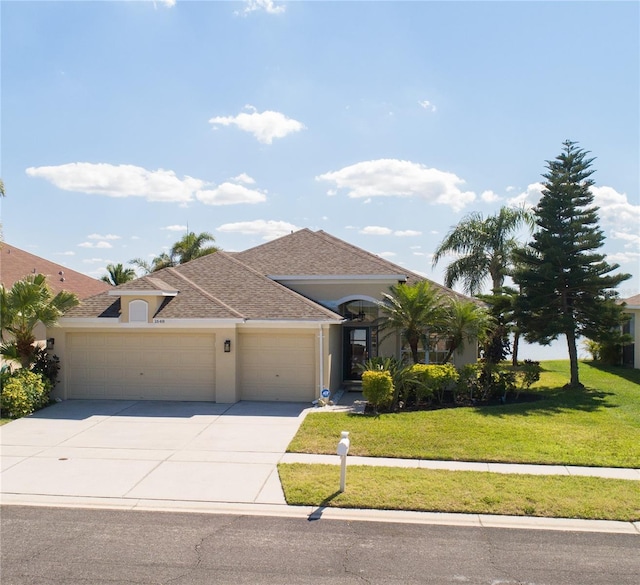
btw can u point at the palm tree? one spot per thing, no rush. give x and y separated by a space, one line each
26 303
2 193
415 311
191 246
188 248
466 322
118 274
485 247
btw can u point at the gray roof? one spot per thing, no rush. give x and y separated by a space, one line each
239 285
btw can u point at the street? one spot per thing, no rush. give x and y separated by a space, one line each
55 546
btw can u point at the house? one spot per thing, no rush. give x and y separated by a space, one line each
16 264
631 352
281 321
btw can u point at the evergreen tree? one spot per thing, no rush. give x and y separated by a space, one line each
566 284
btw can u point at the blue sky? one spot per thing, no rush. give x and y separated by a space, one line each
383 123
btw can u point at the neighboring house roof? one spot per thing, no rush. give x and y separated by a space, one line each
15 264
246 285
633 302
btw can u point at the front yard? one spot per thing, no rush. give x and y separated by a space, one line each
596 427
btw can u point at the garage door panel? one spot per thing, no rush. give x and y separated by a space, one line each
141 366
277 367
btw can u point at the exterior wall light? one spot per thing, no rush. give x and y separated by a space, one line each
227 345
50 342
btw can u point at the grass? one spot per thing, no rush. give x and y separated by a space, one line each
462 492
4 421
598 426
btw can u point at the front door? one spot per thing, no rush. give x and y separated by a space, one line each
357 350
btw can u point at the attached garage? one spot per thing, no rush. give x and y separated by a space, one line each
277 366
141 366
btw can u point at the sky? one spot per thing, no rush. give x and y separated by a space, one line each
125 124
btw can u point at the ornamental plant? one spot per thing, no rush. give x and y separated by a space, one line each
377 388
433 380
23 392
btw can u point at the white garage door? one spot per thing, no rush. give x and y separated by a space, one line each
141 366
277 367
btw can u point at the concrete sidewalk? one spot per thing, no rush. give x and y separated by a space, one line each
205 457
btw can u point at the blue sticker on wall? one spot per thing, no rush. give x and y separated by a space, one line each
325 393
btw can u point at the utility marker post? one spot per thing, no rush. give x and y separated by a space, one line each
343 451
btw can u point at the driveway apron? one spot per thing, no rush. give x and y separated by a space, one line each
177 451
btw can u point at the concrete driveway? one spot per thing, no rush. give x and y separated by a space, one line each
80 450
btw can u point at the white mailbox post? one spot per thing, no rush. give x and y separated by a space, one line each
343 451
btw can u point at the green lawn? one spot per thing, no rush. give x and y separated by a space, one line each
599 426
462 492
4 421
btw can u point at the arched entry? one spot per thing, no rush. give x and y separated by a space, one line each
360 335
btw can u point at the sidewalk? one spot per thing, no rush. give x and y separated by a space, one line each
210 458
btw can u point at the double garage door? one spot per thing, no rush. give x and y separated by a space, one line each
141 366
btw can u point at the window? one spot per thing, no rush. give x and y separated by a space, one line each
138 312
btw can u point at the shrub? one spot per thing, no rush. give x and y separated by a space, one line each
433 380
23 393
47 365
377 388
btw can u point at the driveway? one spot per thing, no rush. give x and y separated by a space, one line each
81 450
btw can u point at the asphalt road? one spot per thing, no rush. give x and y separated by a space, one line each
51 546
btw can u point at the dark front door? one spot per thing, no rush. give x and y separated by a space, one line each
357 349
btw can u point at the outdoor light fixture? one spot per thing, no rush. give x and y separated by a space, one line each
227 345
50 342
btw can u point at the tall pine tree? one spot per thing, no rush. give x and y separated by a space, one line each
566 285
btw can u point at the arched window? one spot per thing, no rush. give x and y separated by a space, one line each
138 312
359 310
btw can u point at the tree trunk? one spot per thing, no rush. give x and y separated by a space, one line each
573 359
514 353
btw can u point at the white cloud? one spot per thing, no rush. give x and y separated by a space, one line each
97 261
400 178
615 208
167 3
489 197
244 178
260 5
633 239
427 105
119 181
99 237
406 233
269 230
265 126
623 257
176 228
387 254
375 230
528 198
68 253
230 194
102 245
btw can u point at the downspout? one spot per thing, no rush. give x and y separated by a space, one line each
321 361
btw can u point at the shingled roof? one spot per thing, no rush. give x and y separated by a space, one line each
216 286
309 253
15 264
245 285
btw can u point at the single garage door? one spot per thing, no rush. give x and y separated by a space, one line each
277 367
141 366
